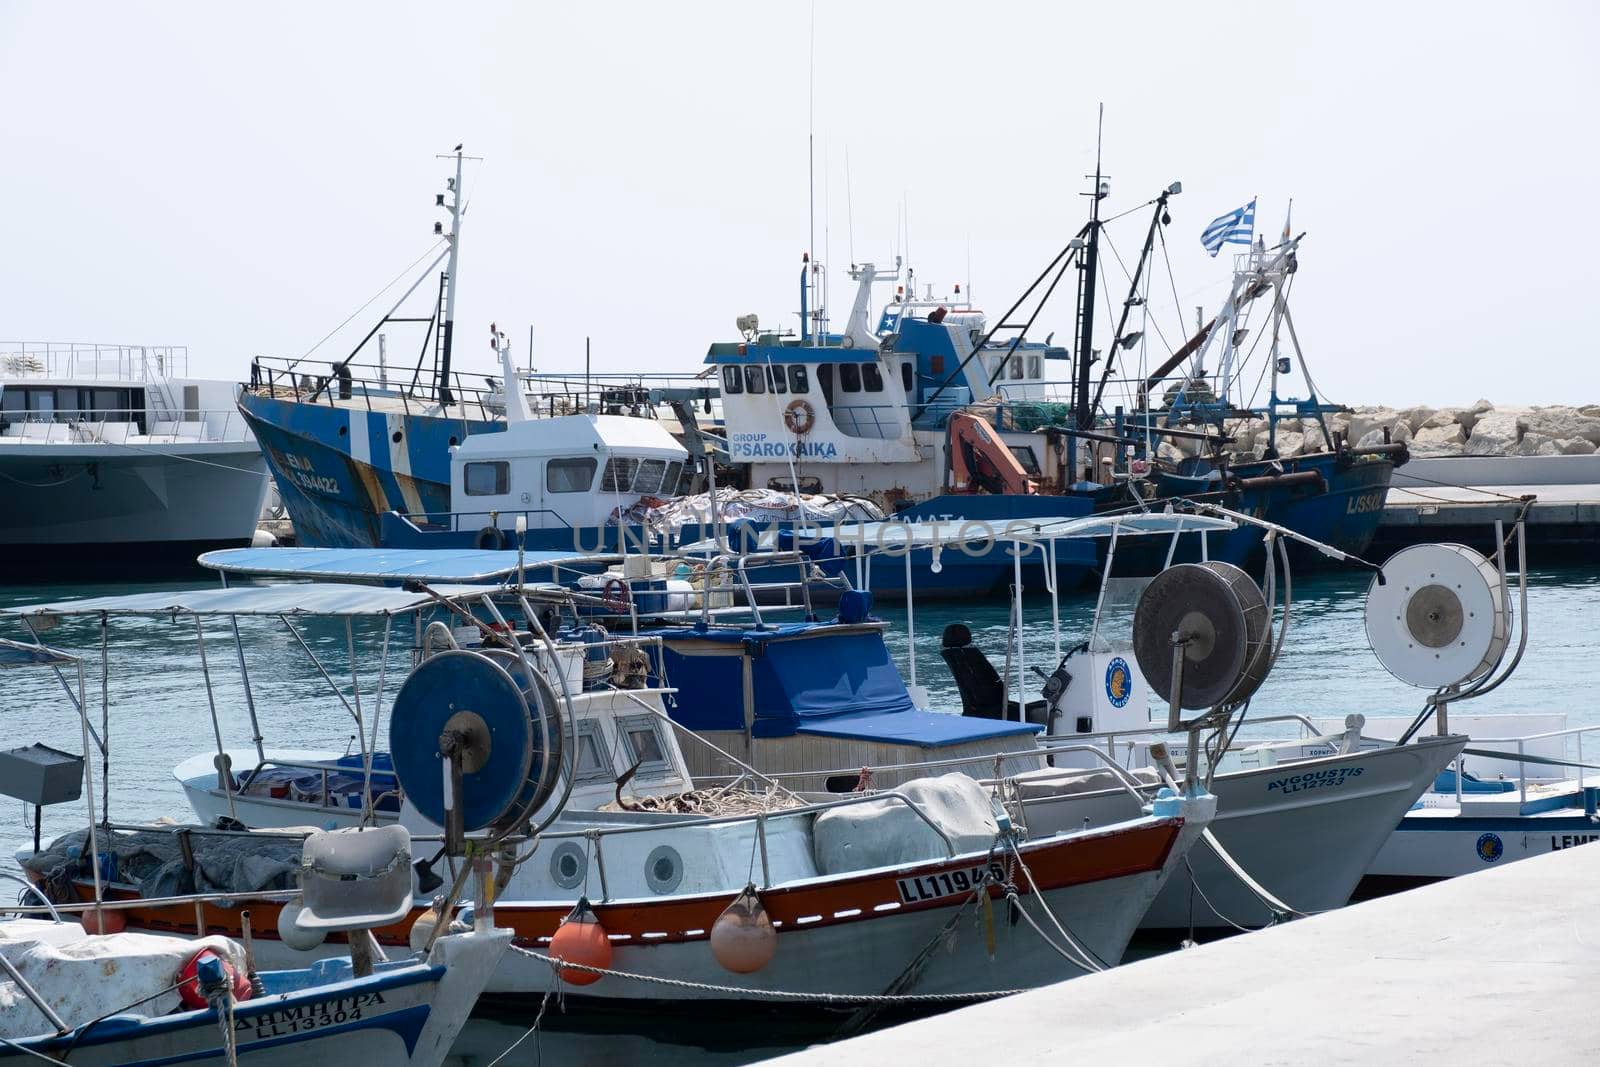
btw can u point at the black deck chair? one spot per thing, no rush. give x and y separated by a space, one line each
978 682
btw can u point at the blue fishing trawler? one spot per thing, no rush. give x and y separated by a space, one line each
355 445
940 414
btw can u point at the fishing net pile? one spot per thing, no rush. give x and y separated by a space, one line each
726 800
153 860
758 505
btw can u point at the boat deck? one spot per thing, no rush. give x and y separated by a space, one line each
1497 965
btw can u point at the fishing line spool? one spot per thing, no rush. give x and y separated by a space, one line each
1216 617
1440 617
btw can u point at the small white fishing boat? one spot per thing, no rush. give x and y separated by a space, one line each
863 895
95 993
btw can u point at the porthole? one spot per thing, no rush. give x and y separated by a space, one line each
343 430
568 865
663 869
396 436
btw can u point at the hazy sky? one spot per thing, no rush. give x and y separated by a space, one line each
240 179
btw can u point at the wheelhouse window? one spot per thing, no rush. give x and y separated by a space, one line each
669 484
641 737
731 381
592 766
650 475
755 379
1016 368
569 475
850 377
871 378
619 475
797 379
905 376
775 380
487 479
1033 367
1024 454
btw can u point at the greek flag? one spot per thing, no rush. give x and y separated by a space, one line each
1236 228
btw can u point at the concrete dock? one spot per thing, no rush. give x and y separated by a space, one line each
1498 966
1458 498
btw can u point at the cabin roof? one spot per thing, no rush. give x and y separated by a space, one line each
573 435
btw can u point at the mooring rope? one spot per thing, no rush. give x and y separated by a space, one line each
770 994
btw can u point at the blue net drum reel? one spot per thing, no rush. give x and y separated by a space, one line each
507 726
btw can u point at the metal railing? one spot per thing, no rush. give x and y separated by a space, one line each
473 395
86 360
122 426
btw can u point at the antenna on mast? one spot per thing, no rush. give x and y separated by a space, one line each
448 313
811 172
1089 266
849 206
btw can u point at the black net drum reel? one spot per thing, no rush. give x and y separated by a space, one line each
1216 617
475 732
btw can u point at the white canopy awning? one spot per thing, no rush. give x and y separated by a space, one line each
324 599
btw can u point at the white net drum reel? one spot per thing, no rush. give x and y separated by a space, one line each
1440 617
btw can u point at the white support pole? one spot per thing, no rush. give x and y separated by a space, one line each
88 796
1016 577
361 728
1055 596
224 777
911 619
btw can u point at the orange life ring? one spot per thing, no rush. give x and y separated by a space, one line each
799 416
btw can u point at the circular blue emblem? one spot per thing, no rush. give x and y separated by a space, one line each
1119 682
1490 847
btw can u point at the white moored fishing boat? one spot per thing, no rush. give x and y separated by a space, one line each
111 454
864 895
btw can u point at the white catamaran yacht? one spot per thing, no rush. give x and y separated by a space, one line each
111 453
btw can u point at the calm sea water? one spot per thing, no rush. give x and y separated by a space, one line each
159 711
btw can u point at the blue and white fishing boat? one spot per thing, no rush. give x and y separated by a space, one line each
936 415
90 992
354 441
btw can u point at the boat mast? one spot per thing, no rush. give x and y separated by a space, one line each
1088 266
447 330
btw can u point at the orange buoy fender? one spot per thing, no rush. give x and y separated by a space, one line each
189 980
581 939
742 938
104 921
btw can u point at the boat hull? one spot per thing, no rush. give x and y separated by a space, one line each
340 469
1306 831
409 1015
95 505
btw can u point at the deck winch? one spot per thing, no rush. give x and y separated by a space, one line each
497 722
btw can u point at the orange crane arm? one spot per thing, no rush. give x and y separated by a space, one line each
980 461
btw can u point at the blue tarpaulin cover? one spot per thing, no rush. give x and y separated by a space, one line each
824 679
